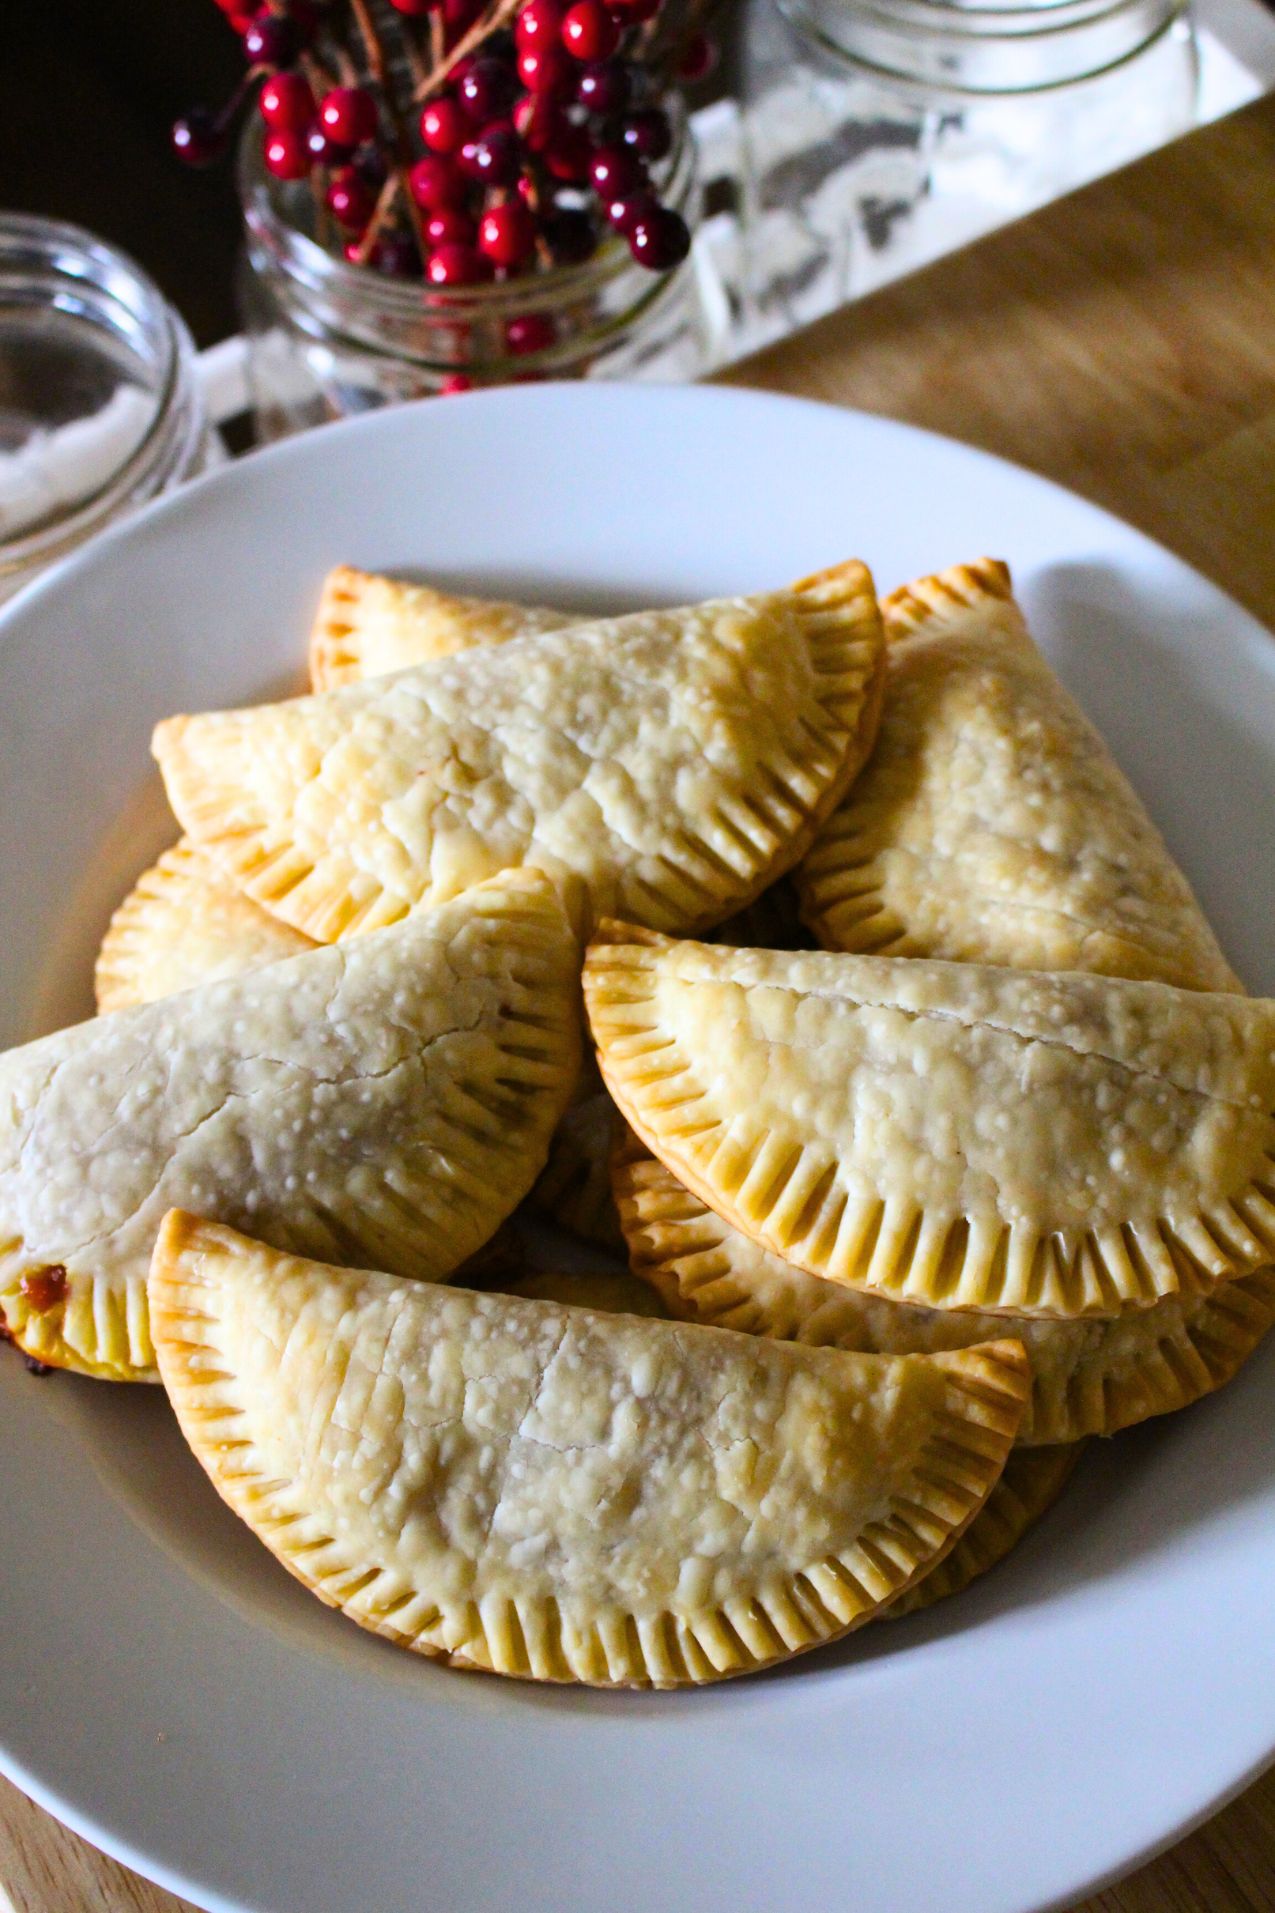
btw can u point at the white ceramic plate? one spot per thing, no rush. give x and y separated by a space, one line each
167 1689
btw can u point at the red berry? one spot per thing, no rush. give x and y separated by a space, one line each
287 155
486 91
444 126
270 40
455 382
699 57
615 173
568 152
434 183
660 240
537 121
647 133
198 139
348 114
350 202
624 214
326 152
450 225
589 32
492 157
458 17
544 69
539 24
531 332
456 265
604 87
507 234
286 102
415 9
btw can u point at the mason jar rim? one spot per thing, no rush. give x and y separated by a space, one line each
921 42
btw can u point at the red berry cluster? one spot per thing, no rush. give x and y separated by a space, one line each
534 136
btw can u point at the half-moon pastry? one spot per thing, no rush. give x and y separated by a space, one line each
1032 1480
670 764
1089 1377
993 825
181 924
390 1101
950 1133
368 625
550 1492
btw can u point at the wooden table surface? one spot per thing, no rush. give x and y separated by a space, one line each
1122 341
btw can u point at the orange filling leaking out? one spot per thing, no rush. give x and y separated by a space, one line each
44 1289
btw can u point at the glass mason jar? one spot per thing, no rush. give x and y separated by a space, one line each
327 339
879 134
100 402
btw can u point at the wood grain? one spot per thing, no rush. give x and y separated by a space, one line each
1121 342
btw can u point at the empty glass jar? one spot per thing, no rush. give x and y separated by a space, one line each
881 133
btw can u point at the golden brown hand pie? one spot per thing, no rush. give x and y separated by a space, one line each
389 1101
949 1133
1089 1377
551 1492
1032 1481
671 764
368 626
992 825
183 923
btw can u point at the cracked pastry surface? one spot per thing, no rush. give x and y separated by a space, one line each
549 1492
950 1133
992 824
181 924
390 1100
1089 1377
368 625
670 764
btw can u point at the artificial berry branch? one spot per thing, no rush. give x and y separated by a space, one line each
458 141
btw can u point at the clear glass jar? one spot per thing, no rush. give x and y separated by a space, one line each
100 402
879 134
327 339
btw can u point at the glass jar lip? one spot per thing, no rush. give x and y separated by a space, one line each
312 267
69 253
951 29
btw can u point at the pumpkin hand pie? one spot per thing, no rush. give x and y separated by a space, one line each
391 1101
1089 1376
670 764
545 1491
992 824
368 625
949 1133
